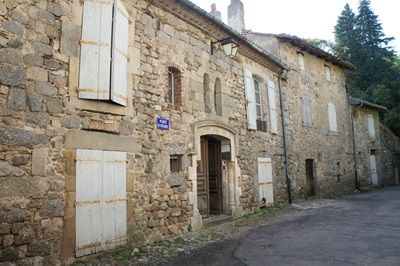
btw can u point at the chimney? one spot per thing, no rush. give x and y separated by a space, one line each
215 13
236 16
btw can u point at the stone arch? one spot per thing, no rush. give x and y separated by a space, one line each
230 180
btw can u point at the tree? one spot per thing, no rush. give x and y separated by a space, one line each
361 41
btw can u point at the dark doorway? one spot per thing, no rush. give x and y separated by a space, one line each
209 178
310 181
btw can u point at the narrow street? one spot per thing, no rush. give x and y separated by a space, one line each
361 229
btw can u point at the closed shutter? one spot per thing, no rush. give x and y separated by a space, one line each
94 72
250 98
100 201
272 107
89 193
306 105
265 184
371 126
120 55
332 117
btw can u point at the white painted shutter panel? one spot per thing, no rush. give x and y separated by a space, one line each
114 195
265 185
250 98
119 78
94 72
89 186
272 107
371 127
307 118
332 117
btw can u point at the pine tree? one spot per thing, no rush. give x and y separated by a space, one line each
345 34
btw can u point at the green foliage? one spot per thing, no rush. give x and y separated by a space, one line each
361 41
326 45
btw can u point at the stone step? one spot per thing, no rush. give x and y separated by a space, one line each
216 220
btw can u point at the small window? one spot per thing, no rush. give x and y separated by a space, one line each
301 60
257 91
332 117
175 162
174 87
328 73
208 95
371 126
306 111
218 96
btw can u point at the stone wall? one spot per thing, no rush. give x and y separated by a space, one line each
390 143
43 123
330 151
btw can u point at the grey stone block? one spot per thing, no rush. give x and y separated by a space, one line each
70 37
45 88
19 137
42 48
54 105
52 208
10 75
126 128
47 17
55 9
40 119
16 99
5 169
13 27
15 43
19 215
70 121
33 60
11 56
39 249
19 160
35 103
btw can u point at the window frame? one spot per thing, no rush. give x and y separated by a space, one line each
328 73
301 60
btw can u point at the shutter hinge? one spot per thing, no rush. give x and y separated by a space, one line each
130 21
81 2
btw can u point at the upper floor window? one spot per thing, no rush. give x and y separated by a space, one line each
254 108
332 117
174 86
301 60
306 111
208 95
218 96
371 126
103 73
272 107
328 73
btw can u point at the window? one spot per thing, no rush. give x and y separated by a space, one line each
306 111
175 163
332 117
103 72
208 95
328 73
100 201
218 96
272 107
254 108
174 87
301 60
371 126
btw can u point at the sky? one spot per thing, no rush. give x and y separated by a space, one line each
307 18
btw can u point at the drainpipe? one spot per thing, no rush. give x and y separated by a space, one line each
357 185
289 189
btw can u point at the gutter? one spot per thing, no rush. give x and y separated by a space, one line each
288 181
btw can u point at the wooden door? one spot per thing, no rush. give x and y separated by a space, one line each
374 173
209 183
202 180
265 185
214 176
310 184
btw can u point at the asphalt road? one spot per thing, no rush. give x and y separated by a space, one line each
361 229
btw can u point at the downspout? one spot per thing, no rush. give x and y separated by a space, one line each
357 185
289 189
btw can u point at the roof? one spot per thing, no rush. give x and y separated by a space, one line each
354 101
216 29
308 47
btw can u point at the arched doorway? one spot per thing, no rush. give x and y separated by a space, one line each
209 177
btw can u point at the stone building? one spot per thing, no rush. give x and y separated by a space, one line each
121 124
375 146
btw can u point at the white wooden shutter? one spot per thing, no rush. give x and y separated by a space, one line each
371 127
100 201
306 105
265 185
114 229
272 107
119 76
332 117
94 72
250 98
89 190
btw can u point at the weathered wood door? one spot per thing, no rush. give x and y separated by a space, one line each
100 201
209 184
310 184
214 176
374 173
265 185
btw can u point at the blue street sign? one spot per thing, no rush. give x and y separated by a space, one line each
163 123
